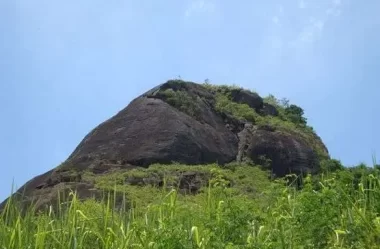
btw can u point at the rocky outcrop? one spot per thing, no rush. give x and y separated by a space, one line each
242 96
150 131
187 182
174 122
269 109
287 153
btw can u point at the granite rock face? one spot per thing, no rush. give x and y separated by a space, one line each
286 152
174 122
253 100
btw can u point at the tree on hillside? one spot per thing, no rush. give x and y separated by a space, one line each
295 114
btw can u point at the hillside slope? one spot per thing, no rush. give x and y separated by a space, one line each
185 123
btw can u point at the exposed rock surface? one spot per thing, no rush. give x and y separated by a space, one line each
246 97
151 131
174 122
287 153
269 109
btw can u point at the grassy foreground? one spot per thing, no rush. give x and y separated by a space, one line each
339 209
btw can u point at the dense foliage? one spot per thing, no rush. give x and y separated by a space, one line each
237 207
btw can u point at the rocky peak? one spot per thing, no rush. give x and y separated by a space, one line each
188 123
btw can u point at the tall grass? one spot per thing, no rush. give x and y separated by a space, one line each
334 212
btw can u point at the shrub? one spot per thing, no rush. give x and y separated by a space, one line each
240 111
182 101
295 114
331 165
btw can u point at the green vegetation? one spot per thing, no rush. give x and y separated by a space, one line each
239 111
289 120
225 89
288 112
237 207
182 101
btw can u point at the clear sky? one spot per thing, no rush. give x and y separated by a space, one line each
66 66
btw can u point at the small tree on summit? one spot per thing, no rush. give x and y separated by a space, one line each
295 114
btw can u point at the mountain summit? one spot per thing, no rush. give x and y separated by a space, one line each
187 123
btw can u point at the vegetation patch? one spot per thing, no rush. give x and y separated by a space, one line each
182 100
239 111
143 184
290 119
337 209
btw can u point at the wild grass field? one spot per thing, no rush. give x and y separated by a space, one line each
239 206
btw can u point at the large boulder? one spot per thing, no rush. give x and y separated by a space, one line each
174 122
286 152
243 96
150 131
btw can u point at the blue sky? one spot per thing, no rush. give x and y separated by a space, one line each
66 66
